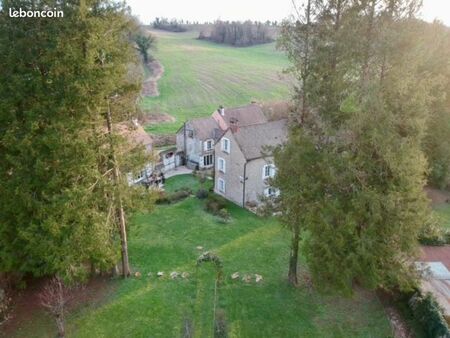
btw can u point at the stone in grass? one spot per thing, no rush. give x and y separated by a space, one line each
137 274
200 248
174 275
235 276
160 274
258 278
185 275
247 278
149 274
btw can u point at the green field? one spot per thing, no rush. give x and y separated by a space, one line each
199 76
167 240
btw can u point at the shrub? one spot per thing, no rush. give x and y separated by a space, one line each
439 238
427 311
179 195
224 214
215 203
162 198
433 234
201 193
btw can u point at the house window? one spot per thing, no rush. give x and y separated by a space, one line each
208 144
208 160
221 164
268 171
221 184
226 145
270 192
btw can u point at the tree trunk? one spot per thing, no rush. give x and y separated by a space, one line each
60 307
60 325
293 257
120 211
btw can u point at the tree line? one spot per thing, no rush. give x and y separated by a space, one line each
370 129
239 34
173 25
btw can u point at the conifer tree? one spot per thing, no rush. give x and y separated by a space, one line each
352 173
59 206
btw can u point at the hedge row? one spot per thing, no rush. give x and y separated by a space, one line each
427 311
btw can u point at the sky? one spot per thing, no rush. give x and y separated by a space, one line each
260 10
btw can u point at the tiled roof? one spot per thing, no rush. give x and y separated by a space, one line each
254 138
246 115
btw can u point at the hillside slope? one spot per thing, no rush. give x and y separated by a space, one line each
199 76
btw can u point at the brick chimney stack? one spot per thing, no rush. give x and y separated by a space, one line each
234 125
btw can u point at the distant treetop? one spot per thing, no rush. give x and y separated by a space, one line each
173 25
239 34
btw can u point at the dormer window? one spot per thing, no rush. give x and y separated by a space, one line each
226 145
268 171
207 145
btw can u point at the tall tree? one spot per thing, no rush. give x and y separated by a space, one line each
58 205
357 188
295 40
436 43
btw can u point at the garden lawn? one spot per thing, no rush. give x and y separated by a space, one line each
187 181
167 241
200 75
443 213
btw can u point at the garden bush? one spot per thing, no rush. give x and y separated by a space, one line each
164 198
427 311
179 195
438 239
201 194
214 204
224 214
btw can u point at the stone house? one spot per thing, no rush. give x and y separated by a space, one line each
136 136
196 138
243 161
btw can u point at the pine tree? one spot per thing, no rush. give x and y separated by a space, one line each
58 201
352 174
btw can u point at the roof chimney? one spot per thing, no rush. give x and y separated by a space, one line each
234 126
222 110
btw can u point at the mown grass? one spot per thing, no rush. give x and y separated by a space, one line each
200 75
167 240
186 182
443 214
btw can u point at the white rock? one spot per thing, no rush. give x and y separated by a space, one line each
185 275
199 248
174 275
235 276
160 274
258 278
